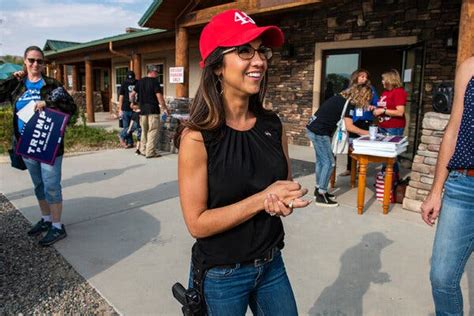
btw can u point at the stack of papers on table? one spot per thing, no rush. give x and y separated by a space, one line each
382 146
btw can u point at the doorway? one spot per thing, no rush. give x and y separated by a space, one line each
338 64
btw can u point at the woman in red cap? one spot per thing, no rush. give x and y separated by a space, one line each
234 174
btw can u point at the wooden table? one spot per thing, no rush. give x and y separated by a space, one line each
363 161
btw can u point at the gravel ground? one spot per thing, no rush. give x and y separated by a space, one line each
37 280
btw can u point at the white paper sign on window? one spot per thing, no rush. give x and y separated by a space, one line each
176 74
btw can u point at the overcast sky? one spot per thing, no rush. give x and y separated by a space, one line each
32 22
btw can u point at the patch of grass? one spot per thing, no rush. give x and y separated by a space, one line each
84 138
78 138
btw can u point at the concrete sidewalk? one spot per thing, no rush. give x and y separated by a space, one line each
126 236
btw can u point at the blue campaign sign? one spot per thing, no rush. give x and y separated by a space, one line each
42 136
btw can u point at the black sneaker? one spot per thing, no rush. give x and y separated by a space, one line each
329 195
137 152
324 201
39 227
54 234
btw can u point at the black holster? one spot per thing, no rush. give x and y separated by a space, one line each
192 299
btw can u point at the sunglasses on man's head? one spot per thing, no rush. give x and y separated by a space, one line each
32 61
247 52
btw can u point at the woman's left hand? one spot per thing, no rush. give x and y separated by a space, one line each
274 206
40 105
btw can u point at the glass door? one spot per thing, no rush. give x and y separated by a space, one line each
412 78
337 70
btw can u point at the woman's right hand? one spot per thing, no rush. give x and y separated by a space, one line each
430 208
19 74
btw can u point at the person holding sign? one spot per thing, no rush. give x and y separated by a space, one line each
30 89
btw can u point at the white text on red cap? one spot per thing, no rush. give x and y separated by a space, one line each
243 18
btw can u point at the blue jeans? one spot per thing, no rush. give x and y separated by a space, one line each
395 131
325 161
46 179
124 134
453 244
126 117
265 288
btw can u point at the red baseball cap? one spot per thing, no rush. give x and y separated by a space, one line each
233 28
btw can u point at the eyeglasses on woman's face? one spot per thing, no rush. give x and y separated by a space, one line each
31 61
247 52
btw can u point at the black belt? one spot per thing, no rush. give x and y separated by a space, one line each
265 258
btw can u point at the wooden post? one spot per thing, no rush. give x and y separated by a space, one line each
59 73
75 84
466 31
49 72
182 60
65 83
137 65
89 93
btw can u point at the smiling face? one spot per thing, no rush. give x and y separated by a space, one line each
34 62
242 77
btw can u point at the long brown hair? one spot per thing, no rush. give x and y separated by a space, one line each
360 95
206 112
355 76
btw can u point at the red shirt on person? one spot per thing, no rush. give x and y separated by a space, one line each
392 99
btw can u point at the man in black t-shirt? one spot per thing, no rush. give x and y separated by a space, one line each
125 110
150 98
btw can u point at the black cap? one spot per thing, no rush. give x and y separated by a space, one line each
130 75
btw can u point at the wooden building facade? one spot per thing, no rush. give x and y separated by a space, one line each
325 40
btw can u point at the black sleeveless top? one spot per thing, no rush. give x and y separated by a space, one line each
240 164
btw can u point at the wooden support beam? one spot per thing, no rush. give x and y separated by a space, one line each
64 79
182 60
75 83
137 65
59 73
466 31
89 93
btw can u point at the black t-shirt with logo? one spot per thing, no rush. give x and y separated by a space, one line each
125 90
147 88
324 121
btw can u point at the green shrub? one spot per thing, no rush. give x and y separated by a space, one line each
6 128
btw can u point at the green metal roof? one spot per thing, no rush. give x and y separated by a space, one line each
149 12
57 45
105 40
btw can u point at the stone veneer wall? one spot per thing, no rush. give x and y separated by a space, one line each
423 168
290 88
80 100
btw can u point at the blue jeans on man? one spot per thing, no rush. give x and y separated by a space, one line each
325 161
126 117
453 244
265 288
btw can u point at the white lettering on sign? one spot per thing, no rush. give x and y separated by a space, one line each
41 134
243 18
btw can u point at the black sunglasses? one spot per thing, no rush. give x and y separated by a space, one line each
32 61
247 52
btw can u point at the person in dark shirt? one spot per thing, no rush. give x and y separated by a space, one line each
133 126
150 98
125 110
320 130
234 174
